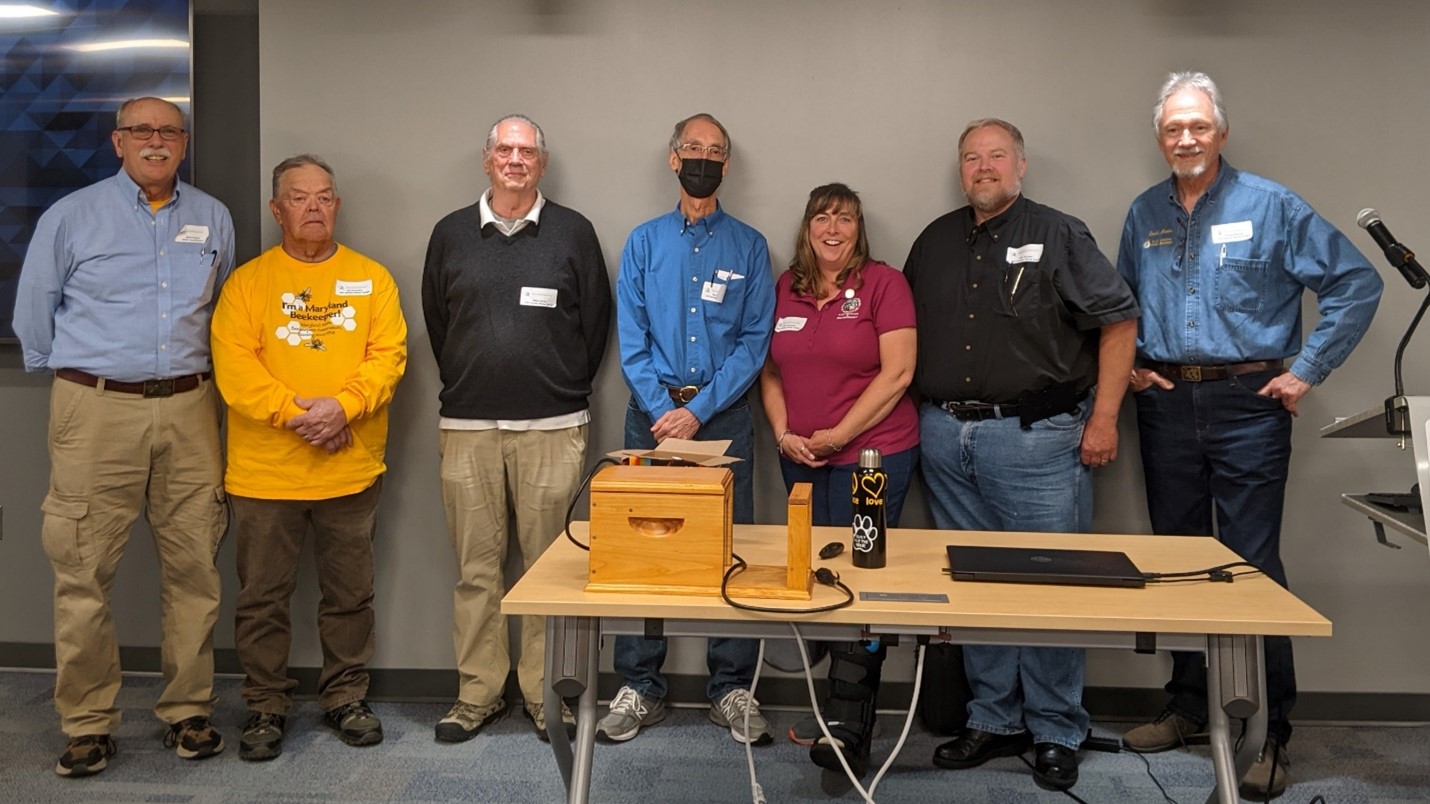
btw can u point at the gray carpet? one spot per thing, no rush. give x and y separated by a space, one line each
685 759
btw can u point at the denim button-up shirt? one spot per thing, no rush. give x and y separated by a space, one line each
1223 284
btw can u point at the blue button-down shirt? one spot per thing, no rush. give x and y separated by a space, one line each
695 306
115 289
1223 284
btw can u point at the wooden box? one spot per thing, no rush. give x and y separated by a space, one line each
660 529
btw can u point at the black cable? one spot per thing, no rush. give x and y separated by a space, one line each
823 575
1217 573
571 509
1218 576
1153 776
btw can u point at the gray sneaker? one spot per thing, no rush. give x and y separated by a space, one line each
464 720
1168 731
730 712
356 724
630 711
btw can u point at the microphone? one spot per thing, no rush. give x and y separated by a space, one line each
1399 255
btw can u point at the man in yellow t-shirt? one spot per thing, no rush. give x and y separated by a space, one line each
309 343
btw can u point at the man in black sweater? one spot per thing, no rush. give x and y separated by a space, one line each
518 307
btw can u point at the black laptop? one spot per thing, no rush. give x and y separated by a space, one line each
1037 565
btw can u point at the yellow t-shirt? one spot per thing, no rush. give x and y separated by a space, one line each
285 328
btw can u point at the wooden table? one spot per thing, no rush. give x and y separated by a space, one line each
1226 621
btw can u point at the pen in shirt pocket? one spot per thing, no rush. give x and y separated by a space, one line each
1017 278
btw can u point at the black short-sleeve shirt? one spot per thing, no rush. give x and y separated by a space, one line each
1010 306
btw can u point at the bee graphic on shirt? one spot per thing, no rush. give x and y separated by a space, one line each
316 344
306 296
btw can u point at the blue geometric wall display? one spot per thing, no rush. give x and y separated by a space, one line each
63 73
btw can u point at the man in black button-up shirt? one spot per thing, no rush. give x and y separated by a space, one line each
1019 317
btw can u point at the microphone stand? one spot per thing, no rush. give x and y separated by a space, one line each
1397 410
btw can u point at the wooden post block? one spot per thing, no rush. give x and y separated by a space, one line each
797 562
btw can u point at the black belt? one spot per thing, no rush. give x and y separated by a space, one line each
1029 408
978 411
683 394
167 386
1187 373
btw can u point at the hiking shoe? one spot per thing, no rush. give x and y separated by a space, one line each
629 712
806 732
193 738
537 715
464 721
356 724
1168 731
86 756
730 712
1270 775
262 737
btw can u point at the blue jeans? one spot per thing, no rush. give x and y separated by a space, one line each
831 502
994 475
731 661
1216 449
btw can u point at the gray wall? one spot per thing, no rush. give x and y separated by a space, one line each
398 96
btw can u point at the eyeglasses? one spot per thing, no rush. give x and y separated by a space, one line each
506 152
694 150
145 132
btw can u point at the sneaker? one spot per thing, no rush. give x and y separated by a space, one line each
86 756
193 738
730 711
356 724
262 737
629 712
464 721
537 715
1168 731
1270 775
806 732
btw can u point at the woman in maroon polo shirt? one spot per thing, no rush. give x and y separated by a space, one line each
835 382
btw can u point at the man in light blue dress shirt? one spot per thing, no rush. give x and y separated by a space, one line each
1219 259
694 312
114 300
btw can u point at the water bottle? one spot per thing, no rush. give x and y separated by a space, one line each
871 532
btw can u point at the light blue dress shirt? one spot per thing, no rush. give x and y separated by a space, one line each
1223 284
695 305
114 289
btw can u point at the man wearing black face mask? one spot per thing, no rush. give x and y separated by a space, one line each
694 312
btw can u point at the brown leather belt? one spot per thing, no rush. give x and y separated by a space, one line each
683 394
1176 371
149 389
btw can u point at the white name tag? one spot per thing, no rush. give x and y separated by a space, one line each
1231 232
790 323
726 276
192 233
345 288
1029 253
713 292
538 297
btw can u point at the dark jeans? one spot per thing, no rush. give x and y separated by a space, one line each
831 502
1217 449
269 536
731 661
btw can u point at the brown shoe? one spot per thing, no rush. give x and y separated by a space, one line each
193 738
1270 775
86 755
1168 731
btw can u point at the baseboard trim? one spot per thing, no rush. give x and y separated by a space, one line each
1104 703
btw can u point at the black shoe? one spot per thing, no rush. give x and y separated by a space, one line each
854 745
973 747
1054 766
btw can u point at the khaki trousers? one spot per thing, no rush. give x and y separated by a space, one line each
535 472
270 536
112 456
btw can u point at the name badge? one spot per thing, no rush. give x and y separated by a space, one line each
790 323
345 288
538 297
725 276
713 292
1231 232
1029 253
192 233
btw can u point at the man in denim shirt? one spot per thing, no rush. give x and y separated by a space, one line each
1219 259
695 310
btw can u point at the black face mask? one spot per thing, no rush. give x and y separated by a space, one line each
701 177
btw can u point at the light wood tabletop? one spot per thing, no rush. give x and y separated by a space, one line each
1251 605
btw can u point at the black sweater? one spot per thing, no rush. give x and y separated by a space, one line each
498 358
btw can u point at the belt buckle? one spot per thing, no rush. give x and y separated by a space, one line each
685 393
1191 373
158 388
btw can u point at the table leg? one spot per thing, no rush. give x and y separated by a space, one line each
572 663
1236 688
578 787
